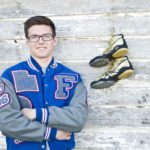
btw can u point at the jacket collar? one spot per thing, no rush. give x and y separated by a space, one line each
33 64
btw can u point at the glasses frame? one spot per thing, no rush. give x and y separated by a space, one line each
40 36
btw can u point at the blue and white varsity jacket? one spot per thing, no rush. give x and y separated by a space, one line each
59 97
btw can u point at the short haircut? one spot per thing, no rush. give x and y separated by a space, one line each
39 20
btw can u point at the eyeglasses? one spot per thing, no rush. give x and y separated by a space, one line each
36 38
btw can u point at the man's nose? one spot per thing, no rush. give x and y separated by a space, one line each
40 40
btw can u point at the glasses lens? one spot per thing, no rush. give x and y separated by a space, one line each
47 37
34 38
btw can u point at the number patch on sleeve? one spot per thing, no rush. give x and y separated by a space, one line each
4 100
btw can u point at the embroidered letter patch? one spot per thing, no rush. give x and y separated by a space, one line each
64 85
4 100
24 102
24 82
17 141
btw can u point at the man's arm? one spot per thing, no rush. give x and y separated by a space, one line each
14 124
69 118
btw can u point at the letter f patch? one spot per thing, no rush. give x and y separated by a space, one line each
65 83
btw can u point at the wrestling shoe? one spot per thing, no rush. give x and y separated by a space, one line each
116 49
121 68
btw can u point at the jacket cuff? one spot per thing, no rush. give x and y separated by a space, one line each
50 133
42 115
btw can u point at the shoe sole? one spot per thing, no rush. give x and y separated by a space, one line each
126 74
101 85
121 52
99 62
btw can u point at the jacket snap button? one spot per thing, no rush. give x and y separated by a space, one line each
43 146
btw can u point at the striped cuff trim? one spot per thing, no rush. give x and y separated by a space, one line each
47 133
44 115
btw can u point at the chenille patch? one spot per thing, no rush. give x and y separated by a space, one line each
64 83
24 82
17 141
4 100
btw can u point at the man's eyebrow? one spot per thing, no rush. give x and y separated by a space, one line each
34 35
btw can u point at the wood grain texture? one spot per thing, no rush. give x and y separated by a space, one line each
24 8
85 26
114 139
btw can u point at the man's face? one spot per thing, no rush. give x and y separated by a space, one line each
42 48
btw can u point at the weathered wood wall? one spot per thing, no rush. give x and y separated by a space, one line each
119 117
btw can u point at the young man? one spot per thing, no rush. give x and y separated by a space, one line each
52 97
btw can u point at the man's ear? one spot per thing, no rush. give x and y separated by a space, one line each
55 41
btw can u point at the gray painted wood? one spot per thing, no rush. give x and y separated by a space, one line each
24 8
85 26
114 139
118 116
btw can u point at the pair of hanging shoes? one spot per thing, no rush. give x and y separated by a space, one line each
120 68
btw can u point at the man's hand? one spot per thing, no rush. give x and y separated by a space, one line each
62 135
29 113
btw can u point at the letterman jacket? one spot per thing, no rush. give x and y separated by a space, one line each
58 96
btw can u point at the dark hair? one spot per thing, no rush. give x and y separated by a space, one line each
38 20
